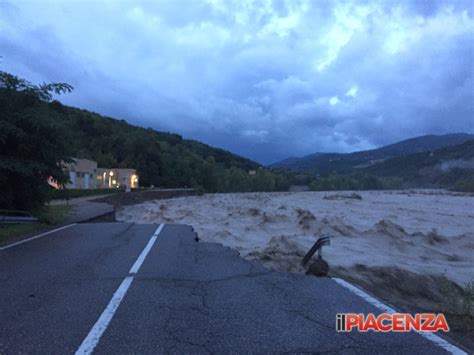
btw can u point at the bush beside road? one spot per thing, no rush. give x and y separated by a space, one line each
49 216
63 194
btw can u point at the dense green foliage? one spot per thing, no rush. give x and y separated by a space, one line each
161 159
355 181
72 193
47 216
466 185
32 142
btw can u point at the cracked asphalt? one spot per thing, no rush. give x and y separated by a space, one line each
188 297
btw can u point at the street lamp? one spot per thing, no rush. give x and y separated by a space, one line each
111 173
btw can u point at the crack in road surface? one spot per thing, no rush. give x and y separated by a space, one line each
185 296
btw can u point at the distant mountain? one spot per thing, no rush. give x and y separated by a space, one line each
326 163
441 167
291 161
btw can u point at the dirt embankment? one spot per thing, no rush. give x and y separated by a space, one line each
136 197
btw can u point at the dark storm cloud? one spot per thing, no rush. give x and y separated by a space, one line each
264 79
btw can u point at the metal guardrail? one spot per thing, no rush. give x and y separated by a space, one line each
16 217
317 247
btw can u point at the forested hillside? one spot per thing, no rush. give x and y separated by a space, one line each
445 161
162 159
450 167
37 134
444 167
343 163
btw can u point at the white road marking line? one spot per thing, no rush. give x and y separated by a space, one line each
36 237
430 336
102 323
92 339
159 229
141 258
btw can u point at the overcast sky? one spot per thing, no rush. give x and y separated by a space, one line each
264 79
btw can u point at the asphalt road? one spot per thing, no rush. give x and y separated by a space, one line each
106 287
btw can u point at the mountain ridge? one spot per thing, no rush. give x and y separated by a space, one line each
326 163
442 166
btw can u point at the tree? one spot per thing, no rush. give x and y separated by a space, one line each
33 143
44 92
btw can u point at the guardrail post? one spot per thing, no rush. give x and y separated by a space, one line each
320 267
317 247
